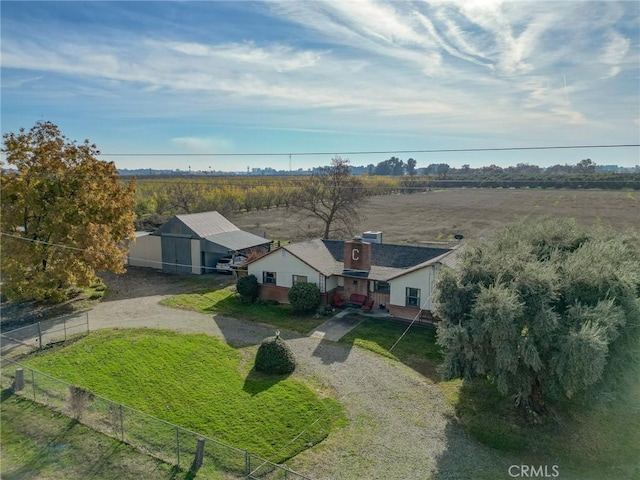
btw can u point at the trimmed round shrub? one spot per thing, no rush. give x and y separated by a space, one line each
247 287
304 297
275 357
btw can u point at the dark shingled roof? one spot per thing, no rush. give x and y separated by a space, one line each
390 255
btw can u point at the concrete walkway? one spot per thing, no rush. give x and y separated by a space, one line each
337 327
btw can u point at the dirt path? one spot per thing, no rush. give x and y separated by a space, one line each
400 427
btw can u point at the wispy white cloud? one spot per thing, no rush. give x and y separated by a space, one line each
411 67
615 52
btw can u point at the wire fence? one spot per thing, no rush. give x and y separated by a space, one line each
164 440
41 334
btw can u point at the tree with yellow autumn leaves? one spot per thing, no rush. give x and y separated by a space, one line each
65 214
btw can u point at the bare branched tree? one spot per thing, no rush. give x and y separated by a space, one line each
332 195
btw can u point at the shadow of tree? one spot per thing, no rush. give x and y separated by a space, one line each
415 348
279 316
331 352
256 382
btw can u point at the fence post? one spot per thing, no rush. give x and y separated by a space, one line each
33 384
64 324
18 384
88 322
197 462
39 337
122 422
178 444
247 463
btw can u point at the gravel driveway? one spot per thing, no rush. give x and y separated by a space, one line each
400 426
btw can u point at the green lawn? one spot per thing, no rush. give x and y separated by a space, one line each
38 443
226 302
198 382
417 349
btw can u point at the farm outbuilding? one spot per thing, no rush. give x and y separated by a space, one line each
193 243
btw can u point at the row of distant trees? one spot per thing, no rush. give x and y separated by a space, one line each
397 167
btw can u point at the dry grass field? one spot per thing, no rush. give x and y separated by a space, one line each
439 214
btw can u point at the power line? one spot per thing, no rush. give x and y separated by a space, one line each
372 152
124 258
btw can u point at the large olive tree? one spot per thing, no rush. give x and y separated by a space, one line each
543 310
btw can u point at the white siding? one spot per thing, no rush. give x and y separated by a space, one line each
285 265
146 251
422 279
196 267
333 282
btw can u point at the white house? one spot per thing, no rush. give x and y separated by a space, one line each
398 277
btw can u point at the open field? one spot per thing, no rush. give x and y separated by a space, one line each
439 214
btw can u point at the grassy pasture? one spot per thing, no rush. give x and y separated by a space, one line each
472 212
51 445
197 382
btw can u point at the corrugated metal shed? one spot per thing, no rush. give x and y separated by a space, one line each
197 225
237 240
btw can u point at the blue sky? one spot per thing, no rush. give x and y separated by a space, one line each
304 76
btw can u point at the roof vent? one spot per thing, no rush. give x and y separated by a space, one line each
357 238
372 237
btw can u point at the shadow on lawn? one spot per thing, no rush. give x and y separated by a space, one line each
257 382
46 454
415 347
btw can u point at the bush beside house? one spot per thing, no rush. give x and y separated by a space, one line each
304 297
247 287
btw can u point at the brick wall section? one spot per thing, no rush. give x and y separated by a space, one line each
349 287
409 313
274 293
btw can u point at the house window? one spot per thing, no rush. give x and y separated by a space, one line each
413 297
381 287
269 277
298 279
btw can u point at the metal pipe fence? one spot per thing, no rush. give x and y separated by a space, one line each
40 334
153 436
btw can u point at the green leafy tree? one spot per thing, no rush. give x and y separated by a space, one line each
331 195
393 166
411 167
544 311
248 288
304 297
59 193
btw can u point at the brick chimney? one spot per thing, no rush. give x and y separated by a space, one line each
357 255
